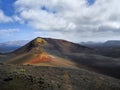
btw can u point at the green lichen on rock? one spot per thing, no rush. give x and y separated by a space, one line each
22 70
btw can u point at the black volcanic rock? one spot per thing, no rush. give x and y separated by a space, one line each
19 77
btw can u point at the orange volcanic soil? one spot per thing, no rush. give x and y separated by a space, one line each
40 59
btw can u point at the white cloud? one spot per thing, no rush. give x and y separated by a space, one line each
73 16
18 19
4 18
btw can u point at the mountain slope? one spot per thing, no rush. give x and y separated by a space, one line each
46 50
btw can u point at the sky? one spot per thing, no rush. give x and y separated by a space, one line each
73 20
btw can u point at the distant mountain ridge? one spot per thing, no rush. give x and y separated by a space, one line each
107 43
12 45
110 48
112 43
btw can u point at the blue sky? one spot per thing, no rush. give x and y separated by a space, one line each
25 31
21 20
90 2
7 6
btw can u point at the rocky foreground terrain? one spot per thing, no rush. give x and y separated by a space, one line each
27 77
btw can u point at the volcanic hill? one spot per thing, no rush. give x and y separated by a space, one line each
47 51
62 53
55 64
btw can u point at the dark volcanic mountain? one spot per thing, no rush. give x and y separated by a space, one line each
54 45
47 51
54 64
61 53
